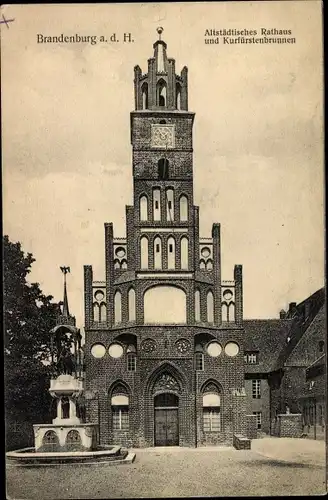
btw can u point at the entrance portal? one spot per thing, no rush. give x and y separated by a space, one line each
166 418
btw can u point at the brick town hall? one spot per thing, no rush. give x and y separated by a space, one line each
164 333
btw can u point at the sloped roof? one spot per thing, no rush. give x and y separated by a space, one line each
266 336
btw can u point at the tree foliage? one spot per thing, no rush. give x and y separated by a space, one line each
29 315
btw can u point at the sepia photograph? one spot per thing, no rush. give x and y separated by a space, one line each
165 329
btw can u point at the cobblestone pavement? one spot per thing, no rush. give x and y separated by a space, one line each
182 472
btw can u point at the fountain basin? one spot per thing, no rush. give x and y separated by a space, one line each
113 455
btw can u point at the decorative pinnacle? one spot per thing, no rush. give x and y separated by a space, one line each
65 270
159 31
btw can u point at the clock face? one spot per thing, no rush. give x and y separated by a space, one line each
162 136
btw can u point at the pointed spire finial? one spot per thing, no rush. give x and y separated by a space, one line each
159 31
65 270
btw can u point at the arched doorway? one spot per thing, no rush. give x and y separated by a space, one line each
166 419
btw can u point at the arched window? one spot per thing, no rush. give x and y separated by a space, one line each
117 264
144 91
231 312
209 265
96 313
202 264
120 409
103 312
211 409
157 204
144 252
132 304
169 205
163 169
50 441
158 253
224 312
161 93
183 208
143 208
210 307
184 253
118 307
124 264
178 96
171 253
131 360
197 305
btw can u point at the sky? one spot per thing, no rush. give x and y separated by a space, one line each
258 138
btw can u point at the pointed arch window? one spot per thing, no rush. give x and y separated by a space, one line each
183 208
169 205
163 168
157 204
118 307
131 305
197 305
211 409
184 245
144 252
210 307
103 312
120 409
143 206
171 253
96 313
178 96
161 93
144 92
158 253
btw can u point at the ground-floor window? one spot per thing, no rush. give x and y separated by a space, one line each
211 419
120 418
258 419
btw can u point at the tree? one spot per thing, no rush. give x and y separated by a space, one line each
29 315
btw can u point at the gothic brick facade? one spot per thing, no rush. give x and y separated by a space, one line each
163 333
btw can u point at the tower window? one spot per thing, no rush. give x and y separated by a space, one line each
157 253
157 247
143 208
171 253
161 93
157 204
171 248
144 252
144 92
131 362
163 169
183 208
170 204
178 96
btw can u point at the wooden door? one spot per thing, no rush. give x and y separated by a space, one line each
166 427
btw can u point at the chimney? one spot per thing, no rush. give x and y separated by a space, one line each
282 314
292 309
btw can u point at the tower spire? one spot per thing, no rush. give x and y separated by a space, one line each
65 270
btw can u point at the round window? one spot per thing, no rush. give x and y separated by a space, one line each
214 349
98 351
227 294
115 350
231 349
120 252
205 252
99 295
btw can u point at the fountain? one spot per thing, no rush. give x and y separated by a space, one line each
68 438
